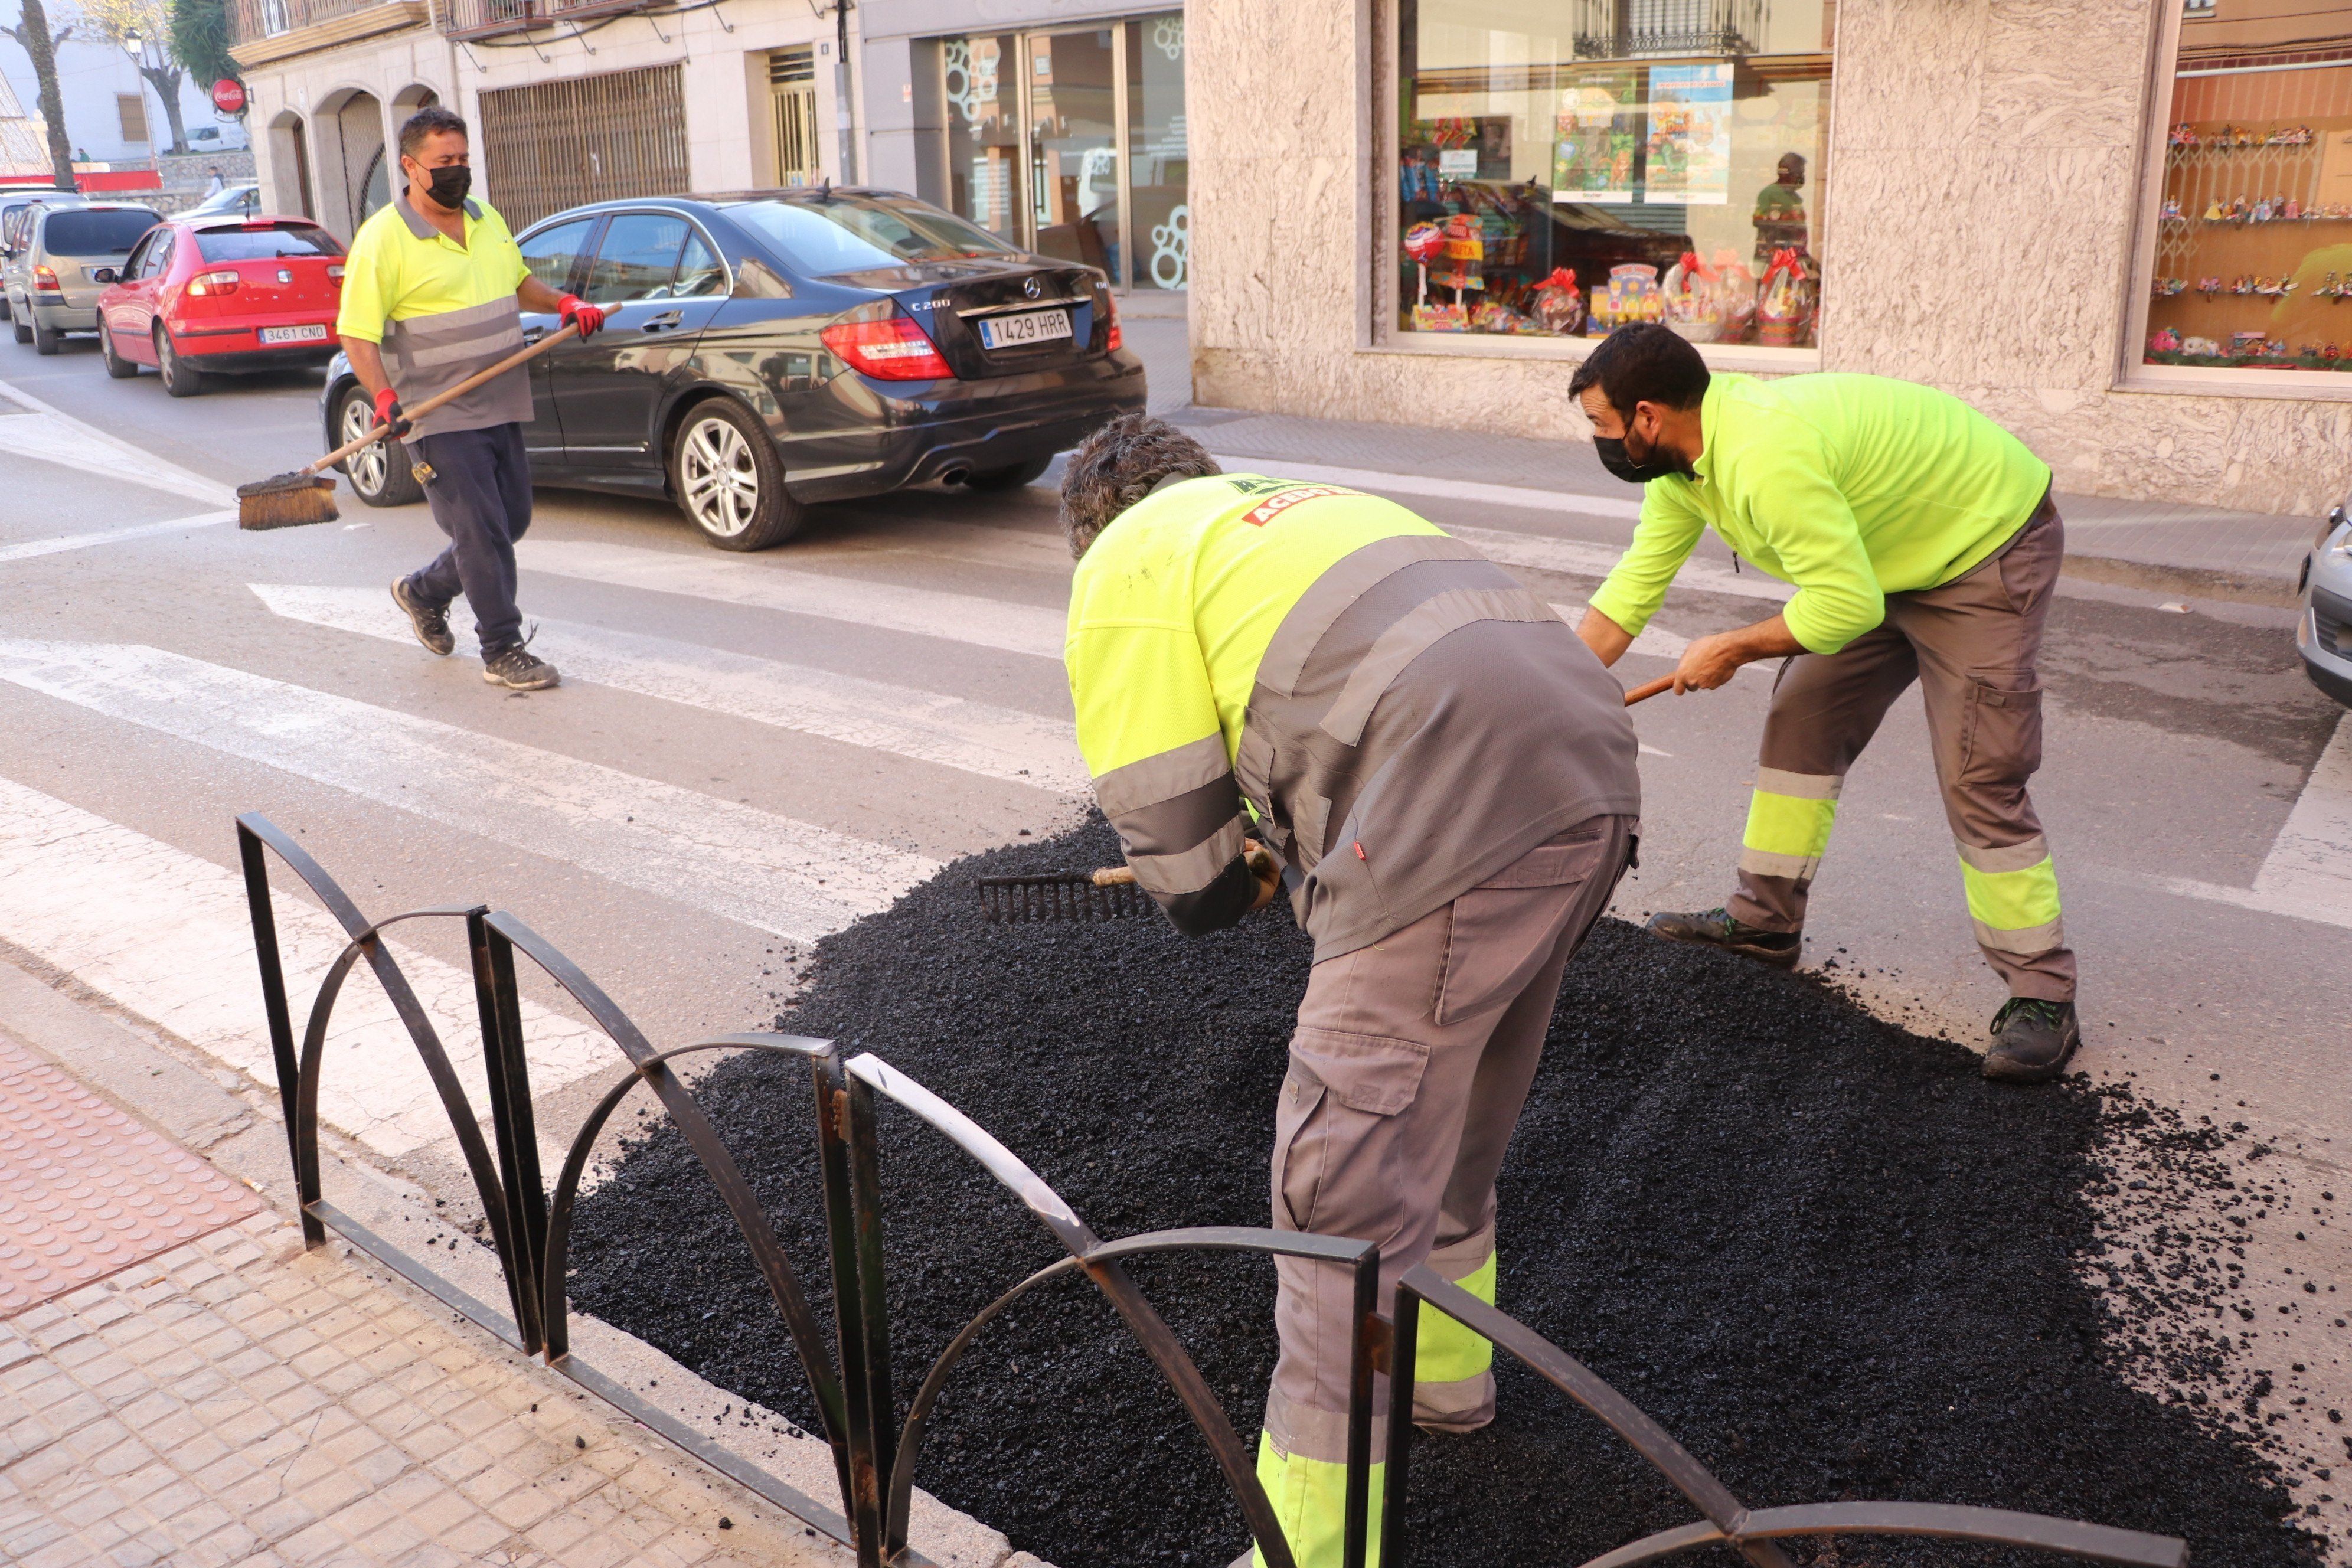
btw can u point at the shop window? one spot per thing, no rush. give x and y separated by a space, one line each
2253 230
982 92
1157 158
1650 160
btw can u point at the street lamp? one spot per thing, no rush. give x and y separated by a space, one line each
132 44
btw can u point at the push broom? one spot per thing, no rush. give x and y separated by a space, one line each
307 495
1110 893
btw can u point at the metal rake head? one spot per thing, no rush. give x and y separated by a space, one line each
1062 896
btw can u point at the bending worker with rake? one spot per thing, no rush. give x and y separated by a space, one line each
1924 546
433 291
1444 777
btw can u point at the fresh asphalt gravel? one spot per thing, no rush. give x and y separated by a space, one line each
1821 1250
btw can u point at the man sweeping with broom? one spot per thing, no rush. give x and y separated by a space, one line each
433 291
1446 775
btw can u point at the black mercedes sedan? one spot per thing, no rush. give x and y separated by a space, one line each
771 349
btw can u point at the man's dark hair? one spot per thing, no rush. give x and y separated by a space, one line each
1644 363
1117 465
428 122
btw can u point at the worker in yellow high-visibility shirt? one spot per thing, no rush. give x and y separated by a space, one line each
1445 779
1924 546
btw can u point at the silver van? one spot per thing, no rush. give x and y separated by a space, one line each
18 208
50 275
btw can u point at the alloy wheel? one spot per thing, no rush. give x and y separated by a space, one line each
365 466
720 482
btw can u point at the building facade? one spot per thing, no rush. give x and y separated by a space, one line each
112 113
2121 227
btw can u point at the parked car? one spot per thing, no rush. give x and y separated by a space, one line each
52 277
2323 634
236 201
16 207
221 294
768 349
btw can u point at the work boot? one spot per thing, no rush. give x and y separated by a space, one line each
432 625
519 669
2032 1040
1715 928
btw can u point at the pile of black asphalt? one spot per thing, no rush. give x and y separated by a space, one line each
1822 1251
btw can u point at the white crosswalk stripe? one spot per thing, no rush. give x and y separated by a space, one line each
768 871
731 579
166 934
928 726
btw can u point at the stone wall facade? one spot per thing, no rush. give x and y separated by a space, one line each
1983 205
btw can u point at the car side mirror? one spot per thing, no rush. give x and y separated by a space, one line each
104 275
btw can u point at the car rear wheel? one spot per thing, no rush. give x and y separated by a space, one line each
729 480
1010 478
381 474
118 367
45 341
181 379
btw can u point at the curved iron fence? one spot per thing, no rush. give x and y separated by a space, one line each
876 1452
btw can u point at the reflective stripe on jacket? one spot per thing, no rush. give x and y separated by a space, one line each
1400 716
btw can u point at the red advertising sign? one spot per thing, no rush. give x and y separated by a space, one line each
228 96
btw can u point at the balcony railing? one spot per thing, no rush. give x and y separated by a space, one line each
251 19
481 18
1628 30
264 30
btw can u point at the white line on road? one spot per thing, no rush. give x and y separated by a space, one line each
1579 559
958 617
166 933
2308 872
63 541
768 871
928 726
1381 481
52 436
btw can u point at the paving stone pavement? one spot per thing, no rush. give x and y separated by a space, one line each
239 1401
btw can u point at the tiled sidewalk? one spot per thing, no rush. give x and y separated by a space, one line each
241 1401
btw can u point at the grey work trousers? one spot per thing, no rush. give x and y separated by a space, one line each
480 495
1410 1063
1973 646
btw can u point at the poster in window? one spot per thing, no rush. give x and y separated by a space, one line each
1598 132
1688 156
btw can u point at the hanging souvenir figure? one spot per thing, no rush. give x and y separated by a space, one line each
1924 547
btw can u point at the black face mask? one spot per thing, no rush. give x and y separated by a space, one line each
449 184
1613 457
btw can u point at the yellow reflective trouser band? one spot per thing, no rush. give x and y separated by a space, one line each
1310 1500
1445 1351
1786 834
2015 911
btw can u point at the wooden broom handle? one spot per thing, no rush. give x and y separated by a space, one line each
1648 689
1119 876
521 356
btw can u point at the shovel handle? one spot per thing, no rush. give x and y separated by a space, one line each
1649 688
1120 876
519 356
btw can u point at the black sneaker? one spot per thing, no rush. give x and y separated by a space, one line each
1715 928
432 625
2032 1040
519 669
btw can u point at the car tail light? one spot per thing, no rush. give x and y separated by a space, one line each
205 285
45 280
1117 338
334 272
874 339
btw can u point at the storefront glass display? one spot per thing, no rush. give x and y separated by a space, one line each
1074 146
1158 167
2252 265
1565 166
984 134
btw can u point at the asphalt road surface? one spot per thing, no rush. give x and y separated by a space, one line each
750 751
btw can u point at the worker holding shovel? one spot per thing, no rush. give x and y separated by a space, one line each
433 291
1443 779
1924 546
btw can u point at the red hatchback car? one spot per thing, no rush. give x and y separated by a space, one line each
227 294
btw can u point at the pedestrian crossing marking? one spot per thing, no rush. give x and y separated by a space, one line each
59 543
999 623
2308 872
928 726
166 935
767 872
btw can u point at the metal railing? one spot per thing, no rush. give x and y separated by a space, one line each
875 1454
250 20
487 18
555 144
1631 29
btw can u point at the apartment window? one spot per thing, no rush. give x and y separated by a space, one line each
131 110
555 144
791 108
1640 160
2248 246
